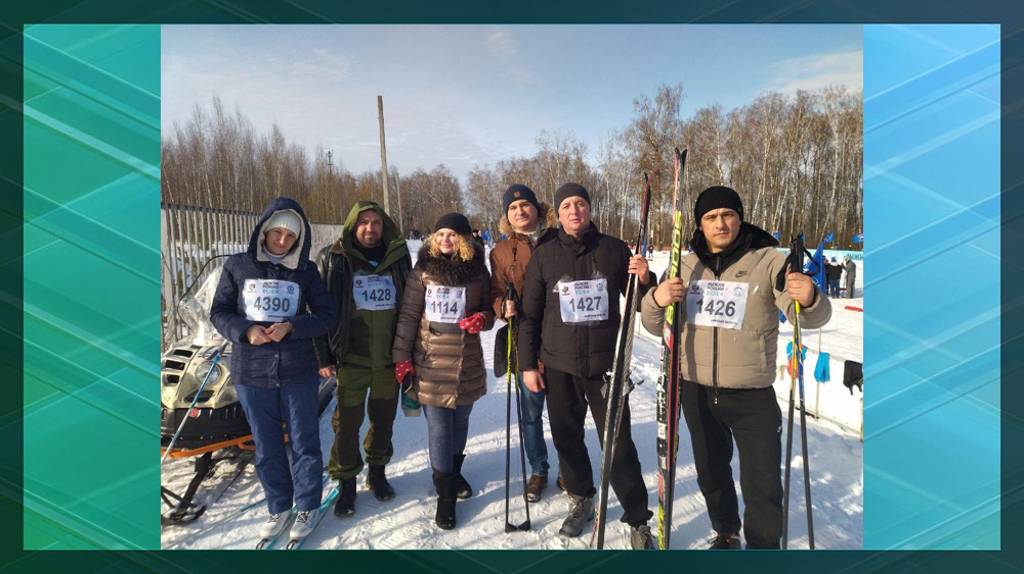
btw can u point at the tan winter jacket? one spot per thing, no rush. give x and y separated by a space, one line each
737 358
449 362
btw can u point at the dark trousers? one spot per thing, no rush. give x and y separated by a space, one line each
751 417
266 409
568 397
346 461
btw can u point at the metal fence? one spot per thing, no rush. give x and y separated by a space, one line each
190 237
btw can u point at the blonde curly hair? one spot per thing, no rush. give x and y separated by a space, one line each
464 249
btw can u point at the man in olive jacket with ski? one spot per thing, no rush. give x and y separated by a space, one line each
732 287
570 322
365 272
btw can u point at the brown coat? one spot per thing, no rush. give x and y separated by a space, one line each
508 264
449 362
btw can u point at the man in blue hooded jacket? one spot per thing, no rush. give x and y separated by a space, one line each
270 303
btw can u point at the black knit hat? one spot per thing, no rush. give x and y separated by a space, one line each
515 192
716 197
454 221
570 190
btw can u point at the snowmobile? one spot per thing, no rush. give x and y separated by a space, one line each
200 414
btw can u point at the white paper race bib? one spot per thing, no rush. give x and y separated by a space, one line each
716 303
583 301
445 304
270 299
374 292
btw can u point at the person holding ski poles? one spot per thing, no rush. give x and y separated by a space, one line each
731 288
365 272
569 323
525 221
437 342
270 303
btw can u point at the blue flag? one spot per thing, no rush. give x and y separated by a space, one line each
858 238
815 266
829 237
777 235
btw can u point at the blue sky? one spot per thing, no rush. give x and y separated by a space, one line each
465 95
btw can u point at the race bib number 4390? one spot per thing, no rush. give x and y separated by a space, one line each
270 300
445 304
716 303
583 301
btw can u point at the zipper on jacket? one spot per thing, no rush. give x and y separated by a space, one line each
714 342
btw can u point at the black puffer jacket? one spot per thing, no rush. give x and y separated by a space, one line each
584 350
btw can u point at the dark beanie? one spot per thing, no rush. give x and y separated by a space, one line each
716 197
570 190
515 192
454 221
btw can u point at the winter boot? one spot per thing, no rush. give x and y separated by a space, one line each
640 538
378 483
725 542
445 485
581 511
462 488
345 505
535 487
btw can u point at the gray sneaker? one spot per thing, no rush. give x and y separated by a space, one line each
581 511
641 538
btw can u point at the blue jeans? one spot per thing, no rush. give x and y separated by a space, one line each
447 430
297 405
533 429
833 288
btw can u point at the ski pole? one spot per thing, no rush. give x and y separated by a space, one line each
510 388
519 425
195 399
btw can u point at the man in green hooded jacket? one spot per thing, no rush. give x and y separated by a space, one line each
365 272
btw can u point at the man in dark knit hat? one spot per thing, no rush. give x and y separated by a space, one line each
732 287
570 320
525 221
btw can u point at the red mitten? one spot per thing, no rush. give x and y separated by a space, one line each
472 324
402 370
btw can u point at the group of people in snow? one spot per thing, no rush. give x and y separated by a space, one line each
392 332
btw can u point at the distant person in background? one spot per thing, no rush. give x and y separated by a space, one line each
851 276
833 272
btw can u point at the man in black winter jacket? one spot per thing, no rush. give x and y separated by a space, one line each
570 321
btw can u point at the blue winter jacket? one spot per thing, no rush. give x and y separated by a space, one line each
292 360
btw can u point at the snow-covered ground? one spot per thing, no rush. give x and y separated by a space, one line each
406 522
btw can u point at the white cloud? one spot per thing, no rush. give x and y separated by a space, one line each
818 71
501 42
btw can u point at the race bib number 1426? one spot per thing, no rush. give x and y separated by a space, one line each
716 303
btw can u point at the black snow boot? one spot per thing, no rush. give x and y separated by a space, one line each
445 485
378 483
462 488
345 505
725 542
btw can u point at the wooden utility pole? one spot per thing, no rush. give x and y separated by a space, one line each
383 152
398 194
